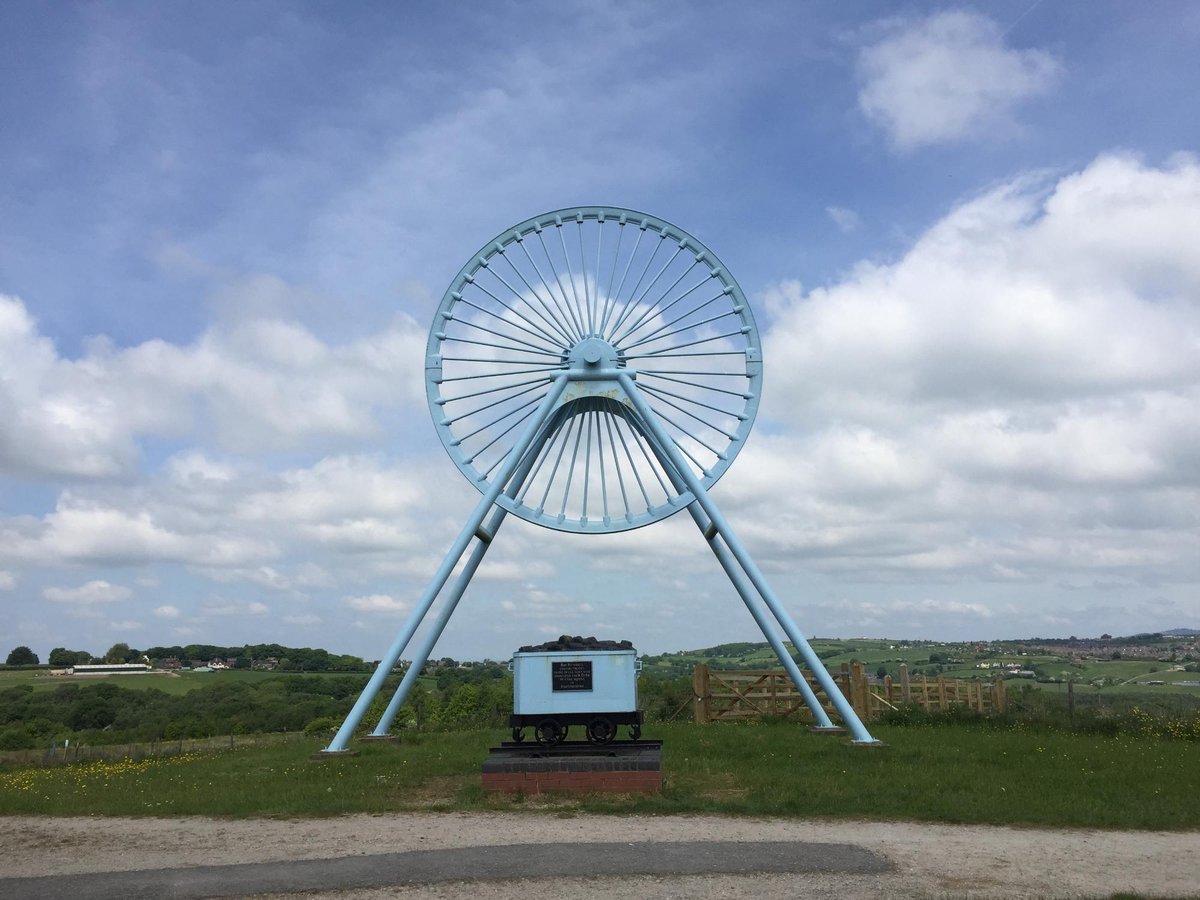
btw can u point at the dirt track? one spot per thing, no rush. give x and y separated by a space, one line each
926 860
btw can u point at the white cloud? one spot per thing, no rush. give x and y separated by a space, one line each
846 220
91 530
1015 396
8 580
92 592
948 77
258 384
378 603
166 612
218 608
303 620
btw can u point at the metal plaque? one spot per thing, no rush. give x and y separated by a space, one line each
574 675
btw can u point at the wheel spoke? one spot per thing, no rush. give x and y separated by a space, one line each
608 420
497 421
651 307
571 280
624 275
553 323
547 335
633 294
566 439
658 334
571 470
563 327
566 304
538 333
654 373
504 387
494 403
508 337
462 340
730 435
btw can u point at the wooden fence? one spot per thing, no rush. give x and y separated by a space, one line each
732 694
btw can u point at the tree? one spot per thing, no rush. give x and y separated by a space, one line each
118 653
61 656
22 656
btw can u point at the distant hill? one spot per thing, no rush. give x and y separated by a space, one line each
1182 632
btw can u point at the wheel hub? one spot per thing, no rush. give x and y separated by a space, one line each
593 354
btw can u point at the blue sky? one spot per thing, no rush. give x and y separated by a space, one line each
968 231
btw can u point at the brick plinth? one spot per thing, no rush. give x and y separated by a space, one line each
629 768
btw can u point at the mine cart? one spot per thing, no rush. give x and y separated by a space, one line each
575 681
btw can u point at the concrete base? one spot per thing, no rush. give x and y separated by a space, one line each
380 738
322 755
633 767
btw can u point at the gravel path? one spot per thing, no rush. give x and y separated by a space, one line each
925 860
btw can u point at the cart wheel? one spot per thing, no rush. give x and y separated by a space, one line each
518 734
635 732
549 732
601 730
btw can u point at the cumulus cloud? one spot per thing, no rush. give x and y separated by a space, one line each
249 525
166 612
378 603
8 580
1016 396
948 77
92 592
255 384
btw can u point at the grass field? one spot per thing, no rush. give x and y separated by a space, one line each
179 683
1127 675
943 773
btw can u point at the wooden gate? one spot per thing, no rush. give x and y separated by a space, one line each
723 695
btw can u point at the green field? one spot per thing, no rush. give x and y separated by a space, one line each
943 773
179 683
1121 676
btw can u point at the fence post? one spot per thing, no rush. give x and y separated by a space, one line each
1002 694
905 686
844 682
703 710
941 686
887 689
860 696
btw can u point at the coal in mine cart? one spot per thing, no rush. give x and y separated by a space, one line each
576 681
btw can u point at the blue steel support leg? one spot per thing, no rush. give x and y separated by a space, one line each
355 716
459 588
746 592
841 704
421 656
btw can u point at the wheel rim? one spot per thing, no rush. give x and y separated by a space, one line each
593 286
550 733
601 731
